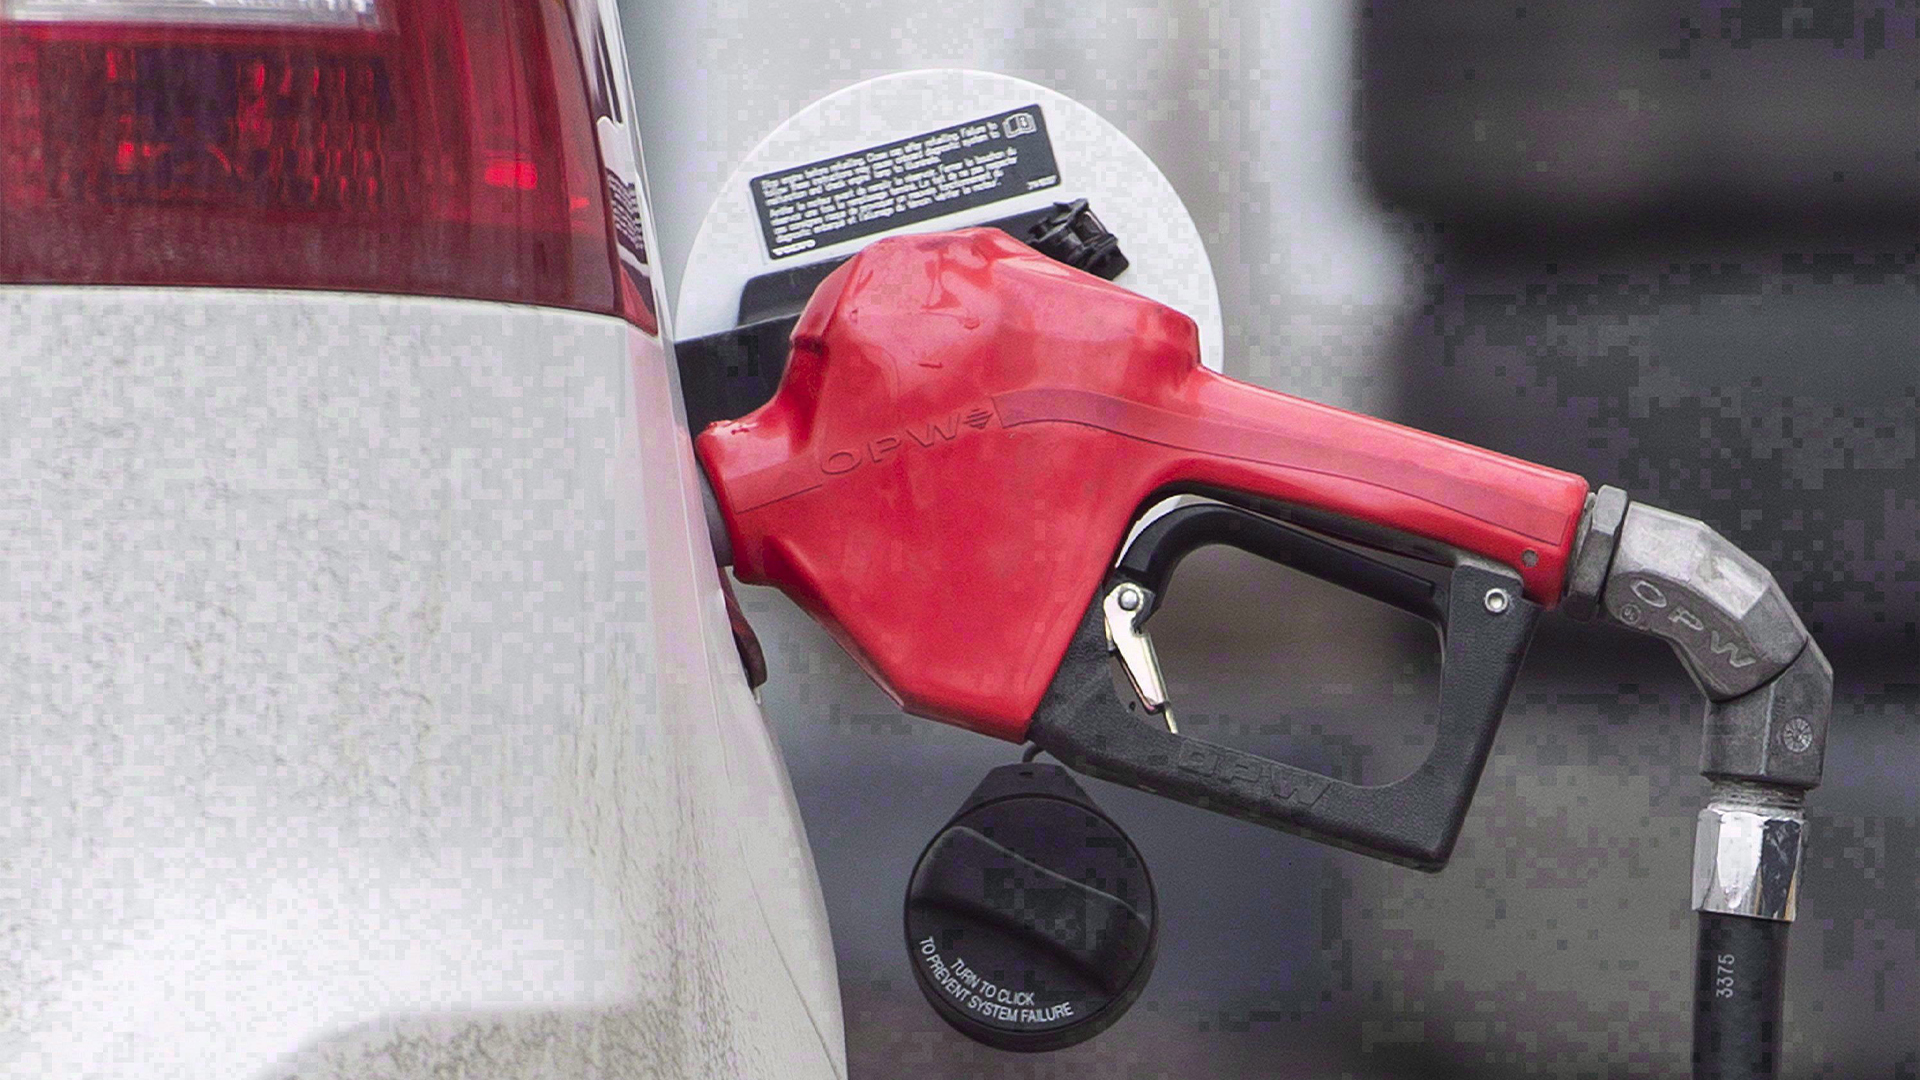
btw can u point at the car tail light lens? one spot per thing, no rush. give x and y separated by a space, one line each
217 12
442 147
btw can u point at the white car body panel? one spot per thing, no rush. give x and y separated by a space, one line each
368 706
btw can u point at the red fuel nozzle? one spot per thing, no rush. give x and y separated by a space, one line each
967 429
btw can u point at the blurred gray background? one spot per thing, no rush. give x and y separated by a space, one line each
1671 246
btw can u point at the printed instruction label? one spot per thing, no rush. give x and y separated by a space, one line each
900 183
977 995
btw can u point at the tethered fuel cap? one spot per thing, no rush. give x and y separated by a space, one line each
1030 916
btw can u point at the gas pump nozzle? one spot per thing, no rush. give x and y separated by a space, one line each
967 431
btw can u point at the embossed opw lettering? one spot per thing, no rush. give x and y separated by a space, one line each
926 434
1247 771
1686 623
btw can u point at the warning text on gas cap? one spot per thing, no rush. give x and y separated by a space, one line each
977 995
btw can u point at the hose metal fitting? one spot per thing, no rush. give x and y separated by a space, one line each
1747 852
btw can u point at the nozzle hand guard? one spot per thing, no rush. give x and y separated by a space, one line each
1485 626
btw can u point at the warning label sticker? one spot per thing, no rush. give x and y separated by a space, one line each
901 183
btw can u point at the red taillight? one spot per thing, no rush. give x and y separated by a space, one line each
441 147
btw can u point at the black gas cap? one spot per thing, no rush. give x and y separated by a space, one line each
1030 916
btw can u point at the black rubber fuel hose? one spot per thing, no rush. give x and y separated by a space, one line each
1737 997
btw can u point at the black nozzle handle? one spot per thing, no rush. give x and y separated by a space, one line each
1485 625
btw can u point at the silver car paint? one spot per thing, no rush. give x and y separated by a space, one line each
368 707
